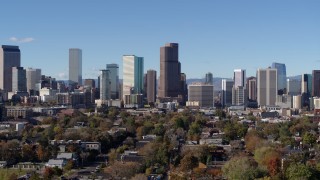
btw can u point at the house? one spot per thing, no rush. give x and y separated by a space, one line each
91 146
67 156
60 163
3 164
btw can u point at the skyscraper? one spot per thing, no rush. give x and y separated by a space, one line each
293 87
104 84
114 78
209 78
239 77
227 86
19 82
151 85
33 77
170 71
132 75
252 88
239 95
306 84
266 86
90 83
75 66
316 83
9 57
281 77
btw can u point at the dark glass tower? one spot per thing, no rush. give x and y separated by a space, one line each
170 71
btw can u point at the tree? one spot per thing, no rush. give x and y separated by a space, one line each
241 167
264 155
188 162
298 171
13 176
309 139
274 166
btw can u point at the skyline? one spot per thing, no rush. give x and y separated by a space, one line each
211 35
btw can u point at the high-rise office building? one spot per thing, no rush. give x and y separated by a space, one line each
316 83
239 95
170 71
239 77
9 57
151 89
132 75
266 86
75 66
293 87
252 88
281 77
209 78
105 87
33 77
226 99
19 81
114 78
306 84
90 83
201 94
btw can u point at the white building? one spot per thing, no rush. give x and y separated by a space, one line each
266 86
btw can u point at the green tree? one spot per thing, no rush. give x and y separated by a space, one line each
241 167
298 171
309 139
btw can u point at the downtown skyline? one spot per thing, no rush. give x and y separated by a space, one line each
216 37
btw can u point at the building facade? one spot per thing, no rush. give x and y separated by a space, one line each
170 71
316 83
9 57
226 98
281 77
209 78
132 75
19 82
239 77
151 89
105 85
75 66
33 77
266 86
293 87
252 88
202 94
114 79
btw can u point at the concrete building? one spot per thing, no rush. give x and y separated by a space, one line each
316 83
266 86
19 81
75 66
151 86
239 77
239 95
18 112
297 102
170 71
33 77
293 87
227 92
281 77
114 80
132 75
252 88
105 85
201 93
9 57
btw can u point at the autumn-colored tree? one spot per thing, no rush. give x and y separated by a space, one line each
28 153
42 153
48 173
253 141
188 162
264 155
274 166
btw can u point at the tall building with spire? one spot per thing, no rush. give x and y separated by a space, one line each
9 57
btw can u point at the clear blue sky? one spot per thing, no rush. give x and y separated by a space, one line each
214 36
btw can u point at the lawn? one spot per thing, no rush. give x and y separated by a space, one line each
5 173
